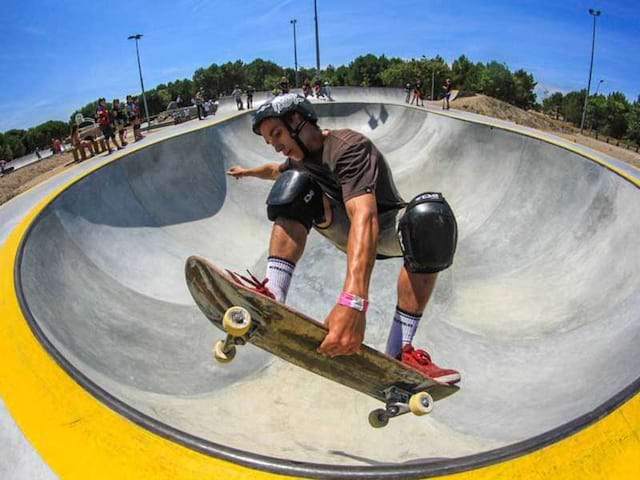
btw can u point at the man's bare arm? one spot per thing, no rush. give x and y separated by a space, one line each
362 243
346 325
266 171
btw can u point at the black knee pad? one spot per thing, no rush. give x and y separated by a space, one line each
428 234
297 196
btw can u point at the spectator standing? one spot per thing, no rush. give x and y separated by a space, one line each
250 92
327 91
418 94
284 86
38 154
407 91
317 87
237 95
447 87
199 100
306 88
133 112
120 120
106 125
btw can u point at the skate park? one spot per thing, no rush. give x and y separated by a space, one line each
106 354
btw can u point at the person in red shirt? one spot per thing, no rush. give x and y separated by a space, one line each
106 125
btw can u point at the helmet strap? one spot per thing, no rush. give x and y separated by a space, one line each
295 133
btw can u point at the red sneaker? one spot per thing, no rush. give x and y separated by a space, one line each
252 283
421 361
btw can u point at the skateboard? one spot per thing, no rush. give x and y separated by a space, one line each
250 317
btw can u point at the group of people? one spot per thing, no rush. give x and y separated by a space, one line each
418 93
111 121
320 90
205 106
237 96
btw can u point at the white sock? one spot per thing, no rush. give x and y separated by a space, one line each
403 330
279 273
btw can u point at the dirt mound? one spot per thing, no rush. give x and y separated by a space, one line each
492 107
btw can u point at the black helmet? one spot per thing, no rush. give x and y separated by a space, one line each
282 105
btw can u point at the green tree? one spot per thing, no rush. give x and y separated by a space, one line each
366 70
6 153
523 90
553 104
617 110
597 112
466 75
572 106
258 70
497 81
633 120
399 74
232 74
207 79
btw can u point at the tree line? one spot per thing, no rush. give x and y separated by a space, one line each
613 115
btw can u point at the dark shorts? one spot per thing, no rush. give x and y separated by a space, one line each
107 131
338 231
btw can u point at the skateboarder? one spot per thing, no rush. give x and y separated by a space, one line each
447 87
339 183
250 91
418 94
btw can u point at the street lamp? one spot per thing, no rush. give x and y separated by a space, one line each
315 8
137 37
295 49
598 88
594 14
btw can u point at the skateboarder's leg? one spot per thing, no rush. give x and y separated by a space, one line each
294 205
414 291
288 239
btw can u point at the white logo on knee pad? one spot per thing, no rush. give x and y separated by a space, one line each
309 196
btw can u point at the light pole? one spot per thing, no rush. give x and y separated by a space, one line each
137 37
595 95
315 9
295 49
594 14
598 88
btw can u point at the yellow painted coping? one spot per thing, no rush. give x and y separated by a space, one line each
80 438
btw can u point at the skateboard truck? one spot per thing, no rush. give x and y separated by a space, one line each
399 402
238 324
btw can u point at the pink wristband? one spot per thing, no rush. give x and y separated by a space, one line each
353 301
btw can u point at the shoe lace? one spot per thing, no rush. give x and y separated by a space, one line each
252 283
422 357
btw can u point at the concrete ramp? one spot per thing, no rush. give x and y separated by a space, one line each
539 311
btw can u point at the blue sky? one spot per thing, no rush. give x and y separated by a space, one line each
58 55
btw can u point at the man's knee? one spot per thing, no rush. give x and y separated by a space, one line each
296 196
428 234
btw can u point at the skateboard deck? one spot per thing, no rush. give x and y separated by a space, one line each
295 337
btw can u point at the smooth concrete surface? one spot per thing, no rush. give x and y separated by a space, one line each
538 312
18 460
